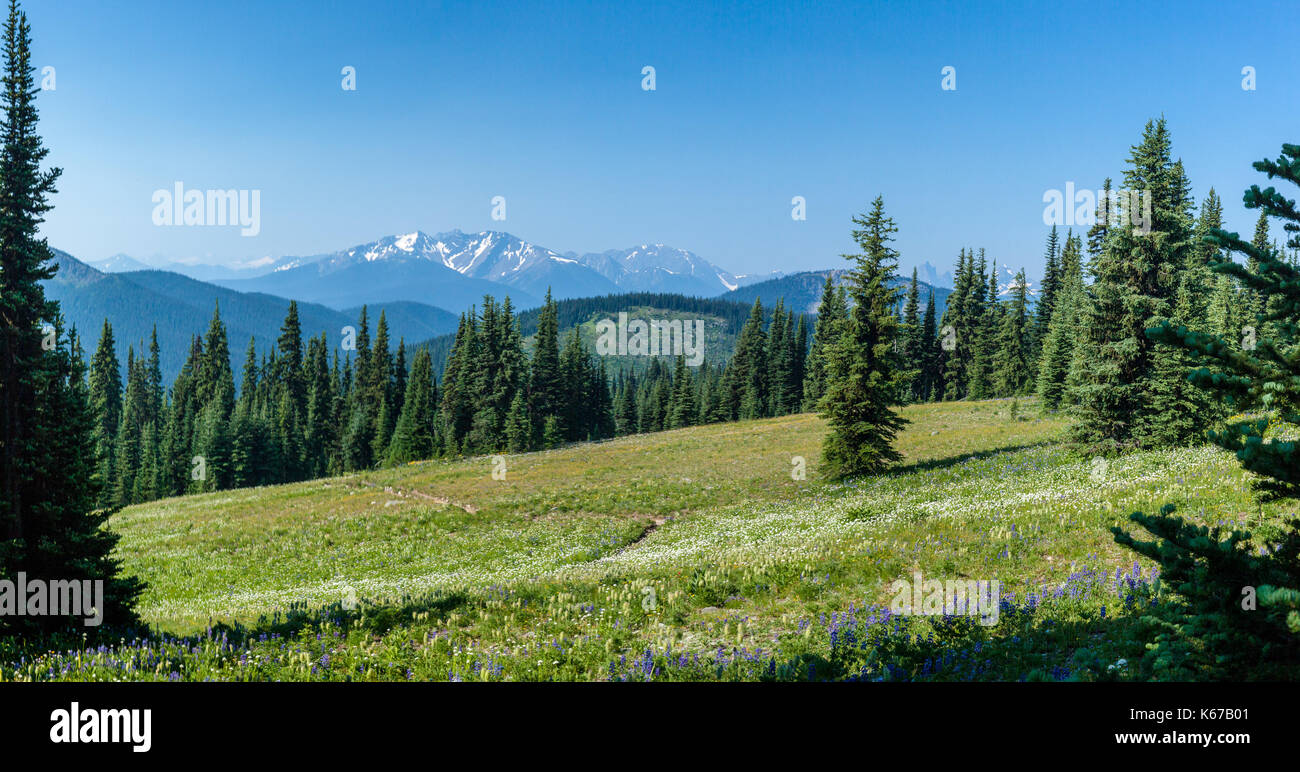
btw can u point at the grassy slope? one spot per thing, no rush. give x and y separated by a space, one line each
466 576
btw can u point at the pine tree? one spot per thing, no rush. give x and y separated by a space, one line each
106 407
861 382
1213 633
47 462
1048 291
413 436
519 425
931 354
960 326
911 344
1011 369
1135 281
545 389
831 316
1064 328
683 409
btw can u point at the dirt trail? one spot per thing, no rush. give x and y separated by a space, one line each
655 522
440 500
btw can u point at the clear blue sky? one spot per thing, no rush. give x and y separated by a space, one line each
542 103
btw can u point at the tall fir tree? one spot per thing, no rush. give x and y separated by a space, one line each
1012 375
1212 632
106 407
862 383
1064 329
413 435
1135 280
51 528
1048 290
831 317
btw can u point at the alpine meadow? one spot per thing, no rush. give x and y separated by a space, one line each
937 421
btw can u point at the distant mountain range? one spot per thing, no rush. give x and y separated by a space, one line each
135 302
455 269
802 292
423 282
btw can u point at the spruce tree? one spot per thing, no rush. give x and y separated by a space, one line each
1048 290
931 381
1135 282
683 409
51 528
1011 368
1064 329
1214 632
519 425
831 315
958 326
862 383
106 407
545 389
985 319
746 377
413 436
911 344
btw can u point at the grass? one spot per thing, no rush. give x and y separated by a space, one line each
689 554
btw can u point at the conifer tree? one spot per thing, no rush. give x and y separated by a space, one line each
931 354
1063 330
683 410
911 344
1214 632
746 376
1011 368
545 389
106 407
413 436
1135 281
862 383
519 425
958 326
1048 290
985 320
831 316
49 525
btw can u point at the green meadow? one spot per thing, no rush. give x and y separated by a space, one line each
700 553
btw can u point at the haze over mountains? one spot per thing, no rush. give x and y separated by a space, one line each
450 269
179 307
422 282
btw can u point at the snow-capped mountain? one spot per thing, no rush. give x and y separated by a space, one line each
455 269
1007 283
488 256
660 268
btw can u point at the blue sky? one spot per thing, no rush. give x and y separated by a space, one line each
542 103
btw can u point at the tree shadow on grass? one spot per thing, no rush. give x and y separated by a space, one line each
375 618
951 461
